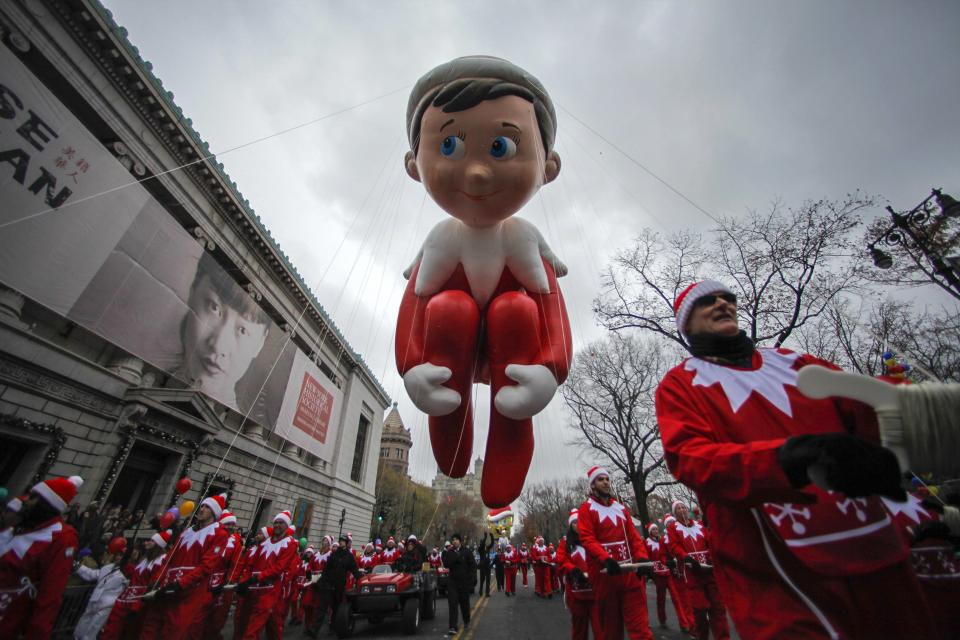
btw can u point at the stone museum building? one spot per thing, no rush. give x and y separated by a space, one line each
75 397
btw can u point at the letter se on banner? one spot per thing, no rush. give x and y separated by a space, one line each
311 409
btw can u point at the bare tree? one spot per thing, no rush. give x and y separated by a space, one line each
610 393
546 507
855 338
785 265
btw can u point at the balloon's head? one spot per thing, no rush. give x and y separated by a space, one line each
481 133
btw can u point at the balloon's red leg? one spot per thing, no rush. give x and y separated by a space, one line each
451 332
513 337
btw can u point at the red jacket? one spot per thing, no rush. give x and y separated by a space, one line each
691 539
607 531
369 562
229 557
34 568
657 551
511 559
195 556
539 553
578 589
389 556
722 427
270 563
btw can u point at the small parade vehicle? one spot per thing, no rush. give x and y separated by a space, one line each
385 593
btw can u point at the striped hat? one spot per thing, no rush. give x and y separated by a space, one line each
162 538
216 504
58 492
596 472
574 513
689 296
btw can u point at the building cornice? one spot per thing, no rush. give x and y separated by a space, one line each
93 28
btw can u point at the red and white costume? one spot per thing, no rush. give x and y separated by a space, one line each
126 618
789 563
607 532
578 594
691 539
226 572
390 555
435 559
511 562
664 582
194 557
369 560
34 567
552 568
934 562
524 562
502 280
540 556
268 564
310 598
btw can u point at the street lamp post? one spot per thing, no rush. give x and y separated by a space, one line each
916 230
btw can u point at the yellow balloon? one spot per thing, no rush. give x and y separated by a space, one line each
935 490
187 508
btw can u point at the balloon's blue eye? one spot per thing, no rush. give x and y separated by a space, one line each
503 148
453 147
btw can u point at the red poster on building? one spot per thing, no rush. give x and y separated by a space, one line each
313 409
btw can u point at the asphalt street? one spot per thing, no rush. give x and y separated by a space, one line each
498 617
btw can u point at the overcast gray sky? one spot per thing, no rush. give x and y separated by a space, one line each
734 103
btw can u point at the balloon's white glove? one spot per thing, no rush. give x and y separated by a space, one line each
533 392
424 385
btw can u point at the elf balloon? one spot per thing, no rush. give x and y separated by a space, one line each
482 302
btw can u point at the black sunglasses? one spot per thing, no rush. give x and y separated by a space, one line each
709 299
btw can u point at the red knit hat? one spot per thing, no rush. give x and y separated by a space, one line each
652 526
162 538
228 518
595 472
285 516
677 503
117 545
574 513
58 492
216 504
689 296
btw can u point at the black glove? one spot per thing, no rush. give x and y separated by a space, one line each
851 465
309 576
172 589
645 571
671 563
693 563
217 590
576 574
243 587
931 529
611 566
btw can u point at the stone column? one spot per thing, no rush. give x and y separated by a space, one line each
127 367
11 306
289 449
252 429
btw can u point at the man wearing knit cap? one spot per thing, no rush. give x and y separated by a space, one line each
791 558
126 618
690 545
224 573
611 540
181 606
35 560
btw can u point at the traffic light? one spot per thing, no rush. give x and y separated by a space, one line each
381 516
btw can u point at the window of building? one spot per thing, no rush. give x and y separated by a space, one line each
400 454
263 508
384 452
356 472
136 483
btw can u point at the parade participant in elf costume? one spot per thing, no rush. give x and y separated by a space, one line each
244 598
552 568
391 553
264 578
434 559
126 618
663 580
524 562
368 560
690 544
578 594
181 606
36 556
511 561
933 555
481 134
309 596
675 583
224 573
792 558
610 539
540 556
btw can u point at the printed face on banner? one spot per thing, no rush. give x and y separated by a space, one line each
223 332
